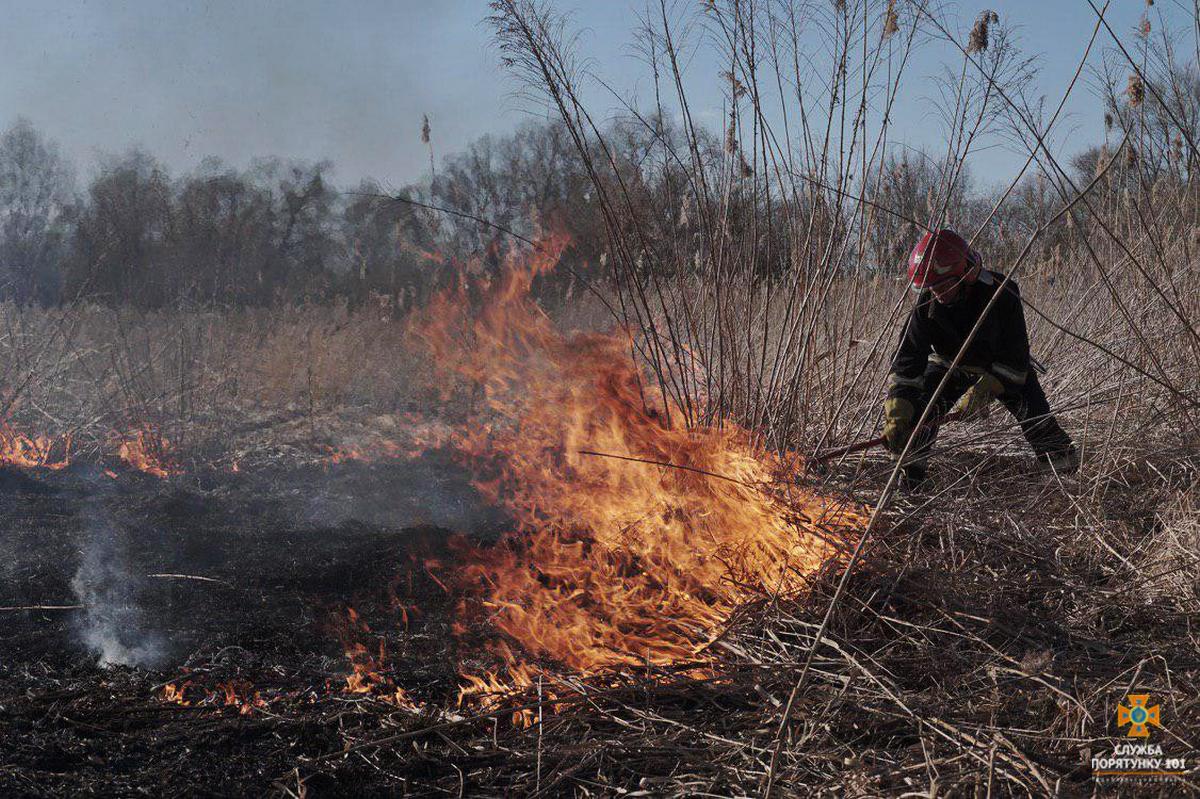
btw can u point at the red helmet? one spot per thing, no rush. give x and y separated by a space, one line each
941 257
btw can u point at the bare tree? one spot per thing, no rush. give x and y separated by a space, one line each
118 249
35 208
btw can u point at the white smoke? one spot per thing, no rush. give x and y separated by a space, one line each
430 489
112 625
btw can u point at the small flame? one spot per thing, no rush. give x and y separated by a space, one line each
33 452
143 449
146 450
235 693
489 689
176 694
366 676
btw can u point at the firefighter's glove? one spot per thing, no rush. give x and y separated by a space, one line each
974 404
898 424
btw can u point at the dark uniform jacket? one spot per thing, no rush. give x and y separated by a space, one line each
935 331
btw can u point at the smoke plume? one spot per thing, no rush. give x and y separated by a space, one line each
112 625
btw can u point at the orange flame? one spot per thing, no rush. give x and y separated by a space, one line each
366 676
235 693
143 449
610 561
29 452
176 694
146 450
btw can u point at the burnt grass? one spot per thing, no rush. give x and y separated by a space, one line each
982 646
268 615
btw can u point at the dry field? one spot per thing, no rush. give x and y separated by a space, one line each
521 541
270 598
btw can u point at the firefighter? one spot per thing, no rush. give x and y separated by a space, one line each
954 290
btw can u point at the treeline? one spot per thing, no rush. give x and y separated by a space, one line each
275 231
280 231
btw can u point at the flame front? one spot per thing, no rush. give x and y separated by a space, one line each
234 693
142 449
634 537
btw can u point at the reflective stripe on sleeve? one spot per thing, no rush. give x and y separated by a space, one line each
1010 374
909 382
960 369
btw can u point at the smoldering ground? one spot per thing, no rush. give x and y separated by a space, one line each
111 624
142 571
202 581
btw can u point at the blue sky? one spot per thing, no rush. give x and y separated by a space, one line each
350 81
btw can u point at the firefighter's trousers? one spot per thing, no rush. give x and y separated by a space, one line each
1027 404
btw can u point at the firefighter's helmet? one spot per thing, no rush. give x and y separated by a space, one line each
942 257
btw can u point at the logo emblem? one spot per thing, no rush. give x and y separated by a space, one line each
1139 715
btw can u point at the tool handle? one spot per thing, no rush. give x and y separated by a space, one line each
849 449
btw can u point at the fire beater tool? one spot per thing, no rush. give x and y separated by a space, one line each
830 454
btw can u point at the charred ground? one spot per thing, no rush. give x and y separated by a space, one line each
1007 630
265 617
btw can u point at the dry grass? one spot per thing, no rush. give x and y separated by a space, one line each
980 643
1168 556
215 383
982 640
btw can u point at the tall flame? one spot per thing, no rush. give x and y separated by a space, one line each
634 537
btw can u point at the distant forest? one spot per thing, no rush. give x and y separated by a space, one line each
280 231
